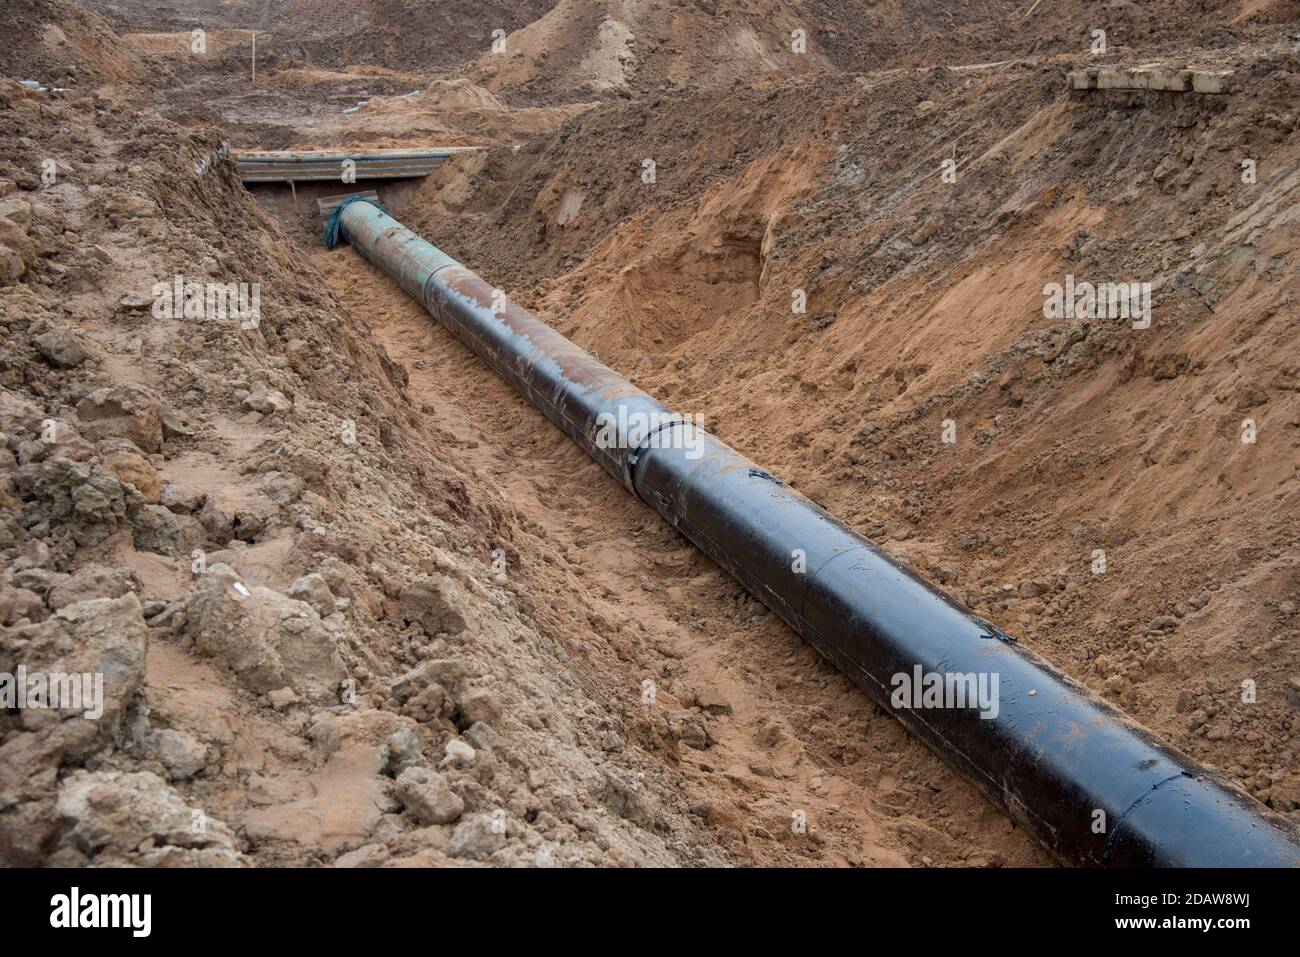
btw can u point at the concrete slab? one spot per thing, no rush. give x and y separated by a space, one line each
1152 76
1212 81
1082 80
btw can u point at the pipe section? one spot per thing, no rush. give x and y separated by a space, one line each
1093 786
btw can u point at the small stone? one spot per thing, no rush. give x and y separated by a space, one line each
127 411
368 855
1293 693
61 349
135 302
692 732
712 702
268 640
428 797
17 604
402 750
458 754
927 231
129 464
1164 169
480 704
17 210
477 838
12 266
447 672
434 602
136 819
267 401
481 736
166 533
315 591
175 427
232 513
93 581
153 608
282 698
179 499
181 753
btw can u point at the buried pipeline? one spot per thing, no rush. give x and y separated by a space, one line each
1093 786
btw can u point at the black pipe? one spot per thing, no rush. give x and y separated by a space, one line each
1093 786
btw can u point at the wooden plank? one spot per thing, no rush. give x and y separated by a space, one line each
281 166
330 171
325 205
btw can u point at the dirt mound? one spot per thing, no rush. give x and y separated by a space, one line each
585 47
68 46
568 192
459 95
425 35
890 34
180 45
434 35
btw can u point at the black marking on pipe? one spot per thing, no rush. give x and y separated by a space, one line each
1112 833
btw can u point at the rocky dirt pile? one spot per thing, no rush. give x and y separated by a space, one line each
307 649
602 47
425 35
57 44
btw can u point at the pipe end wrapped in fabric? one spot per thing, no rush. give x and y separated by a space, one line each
333 232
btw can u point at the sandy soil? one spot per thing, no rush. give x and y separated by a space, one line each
372 562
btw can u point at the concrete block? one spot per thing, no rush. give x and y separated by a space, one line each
1212 81
1163 78
1112 79
1082 79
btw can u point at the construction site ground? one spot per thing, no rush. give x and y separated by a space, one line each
412 529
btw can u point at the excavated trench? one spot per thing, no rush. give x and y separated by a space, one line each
1057 758
792 734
